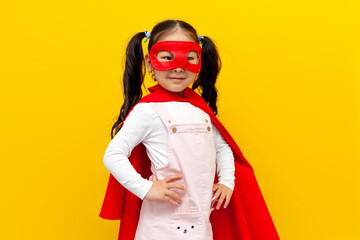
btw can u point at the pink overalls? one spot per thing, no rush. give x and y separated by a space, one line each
192 153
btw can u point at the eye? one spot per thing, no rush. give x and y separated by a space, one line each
193 57
164 56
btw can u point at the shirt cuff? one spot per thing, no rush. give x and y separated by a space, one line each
145 189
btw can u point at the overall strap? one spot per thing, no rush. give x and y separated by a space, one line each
163 113
204 116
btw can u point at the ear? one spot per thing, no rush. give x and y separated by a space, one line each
148 63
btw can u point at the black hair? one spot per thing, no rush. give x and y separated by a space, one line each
135 70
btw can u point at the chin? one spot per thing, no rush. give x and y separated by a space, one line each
175 89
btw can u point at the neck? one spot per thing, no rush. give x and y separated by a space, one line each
181 93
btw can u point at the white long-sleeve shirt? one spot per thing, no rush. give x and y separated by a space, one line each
144 125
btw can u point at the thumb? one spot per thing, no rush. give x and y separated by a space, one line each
154 178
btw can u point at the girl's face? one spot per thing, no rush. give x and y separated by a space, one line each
174 80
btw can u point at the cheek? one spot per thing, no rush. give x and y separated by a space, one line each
157 72
192 75
161 74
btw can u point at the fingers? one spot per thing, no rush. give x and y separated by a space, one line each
222 197
170 184
172 177
227 201
221 193
167 199
161 190
216 195
176 185
174 195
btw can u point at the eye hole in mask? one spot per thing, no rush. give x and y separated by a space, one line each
167 56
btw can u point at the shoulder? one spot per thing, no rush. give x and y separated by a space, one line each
143 106
140 111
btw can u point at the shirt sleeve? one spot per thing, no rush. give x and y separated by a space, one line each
224 160
135 129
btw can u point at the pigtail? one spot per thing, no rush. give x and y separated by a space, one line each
133 78
210 68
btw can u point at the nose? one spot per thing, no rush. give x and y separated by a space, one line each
178 70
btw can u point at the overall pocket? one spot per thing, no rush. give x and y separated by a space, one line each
186 226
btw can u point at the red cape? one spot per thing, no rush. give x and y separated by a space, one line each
246 217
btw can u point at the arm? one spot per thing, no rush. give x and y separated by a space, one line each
135 129
224 160
225 170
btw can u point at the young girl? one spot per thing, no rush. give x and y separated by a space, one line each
172 155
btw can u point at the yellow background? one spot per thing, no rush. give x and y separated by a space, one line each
289 93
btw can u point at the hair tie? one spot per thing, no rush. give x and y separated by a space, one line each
147 35
200 38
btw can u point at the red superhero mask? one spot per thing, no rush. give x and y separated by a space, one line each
180 51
